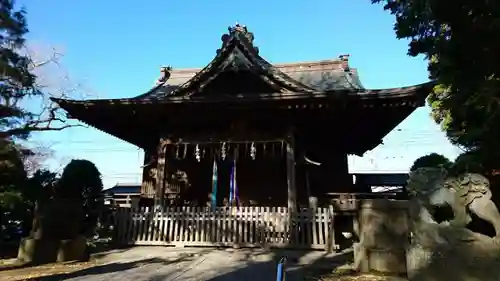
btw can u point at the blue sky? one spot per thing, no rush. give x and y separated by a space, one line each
116 48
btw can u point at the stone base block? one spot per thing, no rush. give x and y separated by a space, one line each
392 261
73 250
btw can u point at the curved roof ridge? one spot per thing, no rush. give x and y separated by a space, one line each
382 93
238 51
193 70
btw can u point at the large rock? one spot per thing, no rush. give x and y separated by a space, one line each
446 253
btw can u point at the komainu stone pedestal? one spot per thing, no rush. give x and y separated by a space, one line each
41 251
37 251
382 229
445 253
55 234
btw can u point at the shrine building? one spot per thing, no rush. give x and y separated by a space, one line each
244 131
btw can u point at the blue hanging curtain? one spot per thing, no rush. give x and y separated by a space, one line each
214 185
233 195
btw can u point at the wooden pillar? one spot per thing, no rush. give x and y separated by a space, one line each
290 171
342 172
159 201
335 172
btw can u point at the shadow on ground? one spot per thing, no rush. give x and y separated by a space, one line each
250 268
102 251
113 267
157 263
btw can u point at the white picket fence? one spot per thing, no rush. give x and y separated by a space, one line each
237 227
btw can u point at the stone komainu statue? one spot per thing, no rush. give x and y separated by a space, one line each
465 194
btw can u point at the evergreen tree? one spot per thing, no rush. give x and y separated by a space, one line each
461 39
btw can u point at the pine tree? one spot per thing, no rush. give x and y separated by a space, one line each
17 83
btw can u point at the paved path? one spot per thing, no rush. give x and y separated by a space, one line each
160 263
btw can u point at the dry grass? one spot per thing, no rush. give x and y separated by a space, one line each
360 277
344 273
35 272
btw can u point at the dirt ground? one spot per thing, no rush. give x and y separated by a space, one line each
183 264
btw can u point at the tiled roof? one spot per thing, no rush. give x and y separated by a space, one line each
124 189
239 55
327 75
316 79
382 179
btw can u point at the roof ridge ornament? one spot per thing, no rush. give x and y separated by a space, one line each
165 73
237 27
345 62
240 29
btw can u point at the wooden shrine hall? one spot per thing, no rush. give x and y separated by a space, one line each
242 131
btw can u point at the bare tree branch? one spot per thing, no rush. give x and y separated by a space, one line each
34 161
36 113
